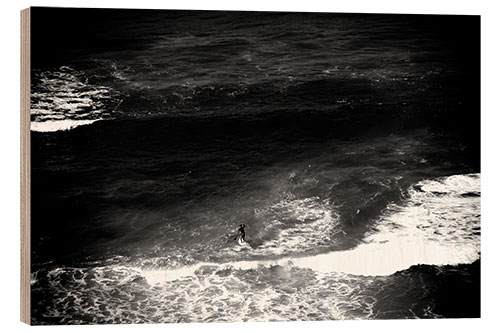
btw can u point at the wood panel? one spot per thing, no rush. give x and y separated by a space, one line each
25 166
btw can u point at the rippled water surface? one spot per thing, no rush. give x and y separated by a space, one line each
347 144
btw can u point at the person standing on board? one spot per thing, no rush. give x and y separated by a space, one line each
241 233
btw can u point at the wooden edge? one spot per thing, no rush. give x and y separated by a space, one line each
25 167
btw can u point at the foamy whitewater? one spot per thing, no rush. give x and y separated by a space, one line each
62 100
437 224
347 144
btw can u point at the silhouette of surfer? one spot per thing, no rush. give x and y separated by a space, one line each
241 233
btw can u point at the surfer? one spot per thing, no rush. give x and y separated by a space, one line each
241 233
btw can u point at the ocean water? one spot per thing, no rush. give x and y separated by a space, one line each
347 144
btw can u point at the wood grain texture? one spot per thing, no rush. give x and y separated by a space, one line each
25 166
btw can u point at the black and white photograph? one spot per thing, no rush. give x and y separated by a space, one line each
196 166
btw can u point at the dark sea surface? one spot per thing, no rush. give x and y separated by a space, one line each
347 144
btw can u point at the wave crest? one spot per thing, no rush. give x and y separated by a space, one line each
428 228
64 99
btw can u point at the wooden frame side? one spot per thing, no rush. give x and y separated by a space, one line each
25 166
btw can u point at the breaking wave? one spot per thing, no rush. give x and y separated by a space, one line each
64 99
437 224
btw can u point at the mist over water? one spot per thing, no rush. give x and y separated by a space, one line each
333 138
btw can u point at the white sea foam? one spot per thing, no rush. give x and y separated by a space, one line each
437 225
314 224
59 125
63 99
298 225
